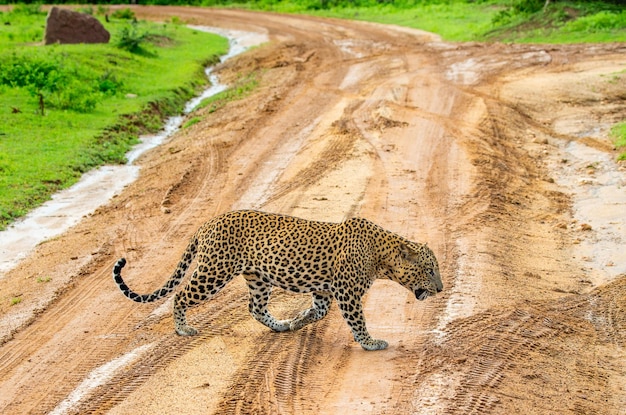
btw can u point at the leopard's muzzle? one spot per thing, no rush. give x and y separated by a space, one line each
421 294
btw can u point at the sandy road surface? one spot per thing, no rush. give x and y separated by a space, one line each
475 149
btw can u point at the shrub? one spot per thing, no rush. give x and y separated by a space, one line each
131 40
28 9
39 77
76 96
109 84
126 14
598 22
56 84
517 8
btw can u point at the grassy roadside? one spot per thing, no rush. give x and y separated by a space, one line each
458 21
98 99
525 21
618 133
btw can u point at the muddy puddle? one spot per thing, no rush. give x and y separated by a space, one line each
66 208
598 186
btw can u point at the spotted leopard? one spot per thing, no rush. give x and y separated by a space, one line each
328 260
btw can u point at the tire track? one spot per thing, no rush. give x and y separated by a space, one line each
493 351
495 343
340 144
272 378
95 351
212 319
605 308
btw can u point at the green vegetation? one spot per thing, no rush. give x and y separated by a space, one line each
190 122
541 21
455 21
551 21
618 132
241 89
65 109
560 22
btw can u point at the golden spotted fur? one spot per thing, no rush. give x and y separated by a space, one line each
328 260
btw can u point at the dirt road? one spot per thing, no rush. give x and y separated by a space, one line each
480 150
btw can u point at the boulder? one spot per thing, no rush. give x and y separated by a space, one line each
67 26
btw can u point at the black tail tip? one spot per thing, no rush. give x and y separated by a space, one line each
119 265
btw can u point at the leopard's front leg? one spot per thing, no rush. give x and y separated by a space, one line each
259 297
352 310
319 309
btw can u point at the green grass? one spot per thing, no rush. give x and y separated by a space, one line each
562 22
573 21
190 122
618 133
452 21
242 88
131 92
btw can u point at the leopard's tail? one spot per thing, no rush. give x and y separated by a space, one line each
174 280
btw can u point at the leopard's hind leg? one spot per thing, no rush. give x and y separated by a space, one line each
199 289
260 292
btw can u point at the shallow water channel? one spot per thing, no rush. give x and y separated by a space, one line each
97 187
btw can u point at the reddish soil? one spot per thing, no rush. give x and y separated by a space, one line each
459 145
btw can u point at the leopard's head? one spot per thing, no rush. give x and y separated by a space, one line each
417 269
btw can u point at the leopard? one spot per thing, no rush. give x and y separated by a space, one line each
329 260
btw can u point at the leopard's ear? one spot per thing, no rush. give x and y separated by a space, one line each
407 253
404 250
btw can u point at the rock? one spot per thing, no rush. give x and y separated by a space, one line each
586 180
67 26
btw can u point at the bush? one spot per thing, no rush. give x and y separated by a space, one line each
520 8
130 39
126 14
109 84
56 84
38 76
28 9
76 96
598 22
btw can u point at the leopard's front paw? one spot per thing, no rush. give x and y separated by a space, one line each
281 325
302 319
